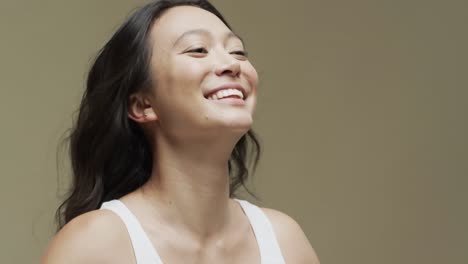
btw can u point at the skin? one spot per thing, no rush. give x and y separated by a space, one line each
185 208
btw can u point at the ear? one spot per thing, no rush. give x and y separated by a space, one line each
140 109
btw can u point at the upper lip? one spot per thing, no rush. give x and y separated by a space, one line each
227 86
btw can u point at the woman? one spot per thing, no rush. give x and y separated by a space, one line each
160 146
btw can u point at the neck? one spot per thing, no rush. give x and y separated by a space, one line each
189 186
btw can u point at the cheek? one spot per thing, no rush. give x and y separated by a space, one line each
251 76
180 77
188 72
178 85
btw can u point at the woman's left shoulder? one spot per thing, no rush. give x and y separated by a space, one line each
292 240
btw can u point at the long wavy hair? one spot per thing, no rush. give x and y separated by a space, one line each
109 153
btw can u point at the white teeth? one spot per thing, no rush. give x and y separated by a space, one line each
225 93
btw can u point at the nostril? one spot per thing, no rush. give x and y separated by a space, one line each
227 71
231 69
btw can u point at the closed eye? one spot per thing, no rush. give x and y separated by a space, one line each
240 52
198 50
204 51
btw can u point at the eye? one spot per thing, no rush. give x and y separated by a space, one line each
241 53
198 50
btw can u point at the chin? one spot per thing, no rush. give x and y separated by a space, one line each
227 120
238 125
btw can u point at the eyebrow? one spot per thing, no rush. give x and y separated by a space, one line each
205 32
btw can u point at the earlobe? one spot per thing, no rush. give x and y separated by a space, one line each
140 110
149 114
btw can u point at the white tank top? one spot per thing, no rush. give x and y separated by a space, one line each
145 253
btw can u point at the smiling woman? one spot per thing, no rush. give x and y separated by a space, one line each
161 145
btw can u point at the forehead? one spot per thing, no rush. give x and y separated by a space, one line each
180 19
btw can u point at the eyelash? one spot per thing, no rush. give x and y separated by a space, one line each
239 52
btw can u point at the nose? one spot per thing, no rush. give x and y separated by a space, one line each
228 65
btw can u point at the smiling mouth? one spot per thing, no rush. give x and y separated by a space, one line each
226 93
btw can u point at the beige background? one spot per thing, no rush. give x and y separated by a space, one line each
362 113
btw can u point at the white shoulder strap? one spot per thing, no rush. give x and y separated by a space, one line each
144 251
270 251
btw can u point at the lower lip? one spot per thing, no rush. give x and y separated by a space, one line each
230 101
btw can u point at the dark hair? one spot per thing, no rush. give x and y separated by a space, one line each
109 154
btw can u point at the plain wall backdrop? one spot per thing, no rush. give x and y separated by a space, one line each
362 113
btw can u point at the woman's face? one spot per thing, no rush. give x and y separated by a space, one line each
194 55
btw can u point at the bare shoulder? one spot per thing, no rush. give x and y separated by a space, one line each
294 244
98 236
